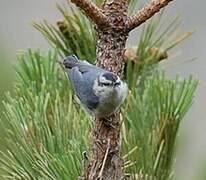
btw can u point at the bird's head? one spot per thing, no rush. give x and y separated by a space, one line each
107 84
109 80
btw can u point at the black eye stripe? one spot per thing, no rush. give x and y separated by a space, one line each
110 76
106 84
103 84
117 83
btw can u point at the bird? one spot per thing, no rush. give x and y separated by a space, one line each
100 92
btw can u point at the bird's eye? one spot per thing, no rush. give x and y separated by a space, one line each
117 83
106 84
103 84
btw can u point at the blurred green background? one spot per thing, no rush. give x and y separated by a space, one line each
16 34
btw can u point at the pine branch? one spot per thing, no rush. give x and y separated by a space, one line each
92 11
145 13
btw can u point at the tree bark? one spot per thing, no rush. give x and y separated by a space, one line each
112 29
106 162
92 12
145 13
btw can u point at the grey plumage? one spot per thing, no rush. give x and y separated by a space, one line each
94 95
81 77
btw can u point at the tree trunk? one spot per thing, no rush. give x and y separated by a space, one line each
112 25
105 161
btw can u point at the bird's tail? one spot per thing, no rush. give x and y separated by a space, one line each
70 61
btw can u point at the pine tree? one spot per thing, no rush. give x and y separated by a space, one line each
47 135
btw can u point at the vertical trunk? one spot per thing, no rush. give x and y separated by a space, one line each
105 161
112 26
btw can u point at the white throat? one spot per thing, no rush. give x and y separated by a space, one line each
110 97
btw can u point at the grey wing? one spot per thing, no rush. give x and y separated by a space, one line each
75 78
82 85
85 67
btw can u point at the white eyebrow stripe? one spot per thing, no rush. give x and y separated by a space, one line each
104 80
118 80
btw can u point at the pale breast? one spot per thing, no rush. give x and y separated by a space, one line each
108 105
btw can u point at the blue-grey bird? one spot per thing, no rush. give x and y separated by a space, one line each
101 92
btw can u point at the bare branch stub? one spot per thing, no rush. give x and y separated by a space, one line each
145 13
93 12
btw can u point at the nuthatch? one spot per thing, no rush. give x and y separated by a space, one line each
101 92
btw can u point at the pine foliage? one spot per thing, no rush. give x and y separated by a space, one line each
152 117
44 129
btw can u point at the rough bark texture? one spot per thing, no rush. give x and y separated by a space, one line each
145 13
106 162
112 26
112 39
92 11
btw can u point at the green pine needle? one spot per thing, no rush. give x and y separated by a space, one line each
74 34
152 117
45 134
